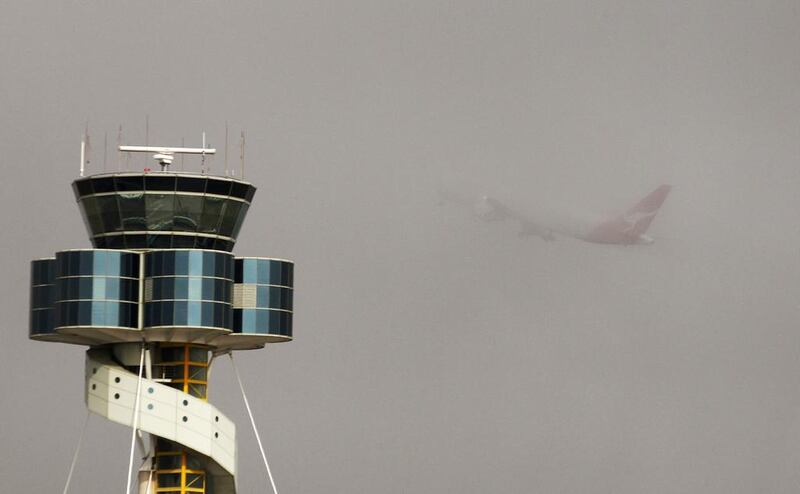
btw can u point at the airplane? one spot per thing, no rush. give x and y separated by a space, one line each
628 228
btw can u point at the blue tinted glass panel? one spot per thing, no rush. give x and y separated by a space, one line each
195 263
181 317
98 287
195 288
247 271
181 288
181 263
193 314
274 297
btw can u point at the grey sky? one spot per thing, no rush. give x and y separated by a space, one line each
435 353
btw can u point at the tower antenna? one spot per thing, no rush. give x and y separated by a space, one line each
147 133
226 148
203 157
83 154
241 156
119 143
105 149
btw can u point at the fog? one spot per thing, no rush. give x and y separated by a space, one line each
434 352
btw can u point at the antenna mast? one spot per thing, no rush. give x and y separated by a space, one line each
226 148
241 156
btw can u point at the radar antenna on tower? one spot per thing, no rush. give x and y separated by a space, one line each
165 155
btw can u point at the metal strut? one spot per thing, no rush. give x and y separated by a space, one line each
253 422
135 420
77 450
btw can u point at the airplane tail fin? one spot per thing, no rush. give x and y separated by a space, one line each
631 226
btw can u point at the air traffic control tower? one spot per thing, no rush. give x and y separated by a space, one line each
156 300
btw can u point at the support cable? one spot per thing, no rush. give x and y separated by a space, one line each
253 422
135 420
149 482
77 450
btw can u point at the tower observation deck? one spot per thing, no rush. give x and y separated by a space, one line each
156 300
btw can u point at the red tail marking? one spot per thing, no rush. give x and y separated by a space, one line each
627 227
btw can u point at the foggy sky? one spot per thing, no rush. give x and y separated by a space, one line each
435 353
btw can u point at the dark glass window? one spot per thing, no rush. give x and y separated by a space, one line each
212 212
204 242
229 217
240 220
114 242
84 187
42 297
91 213
159 182
42 271
251 191
159 211
239 189
108 209
191 184
102 184
135 241
218 186
183 241
129 183
159 241
132 210
188 212
223 245
41 322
